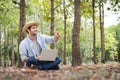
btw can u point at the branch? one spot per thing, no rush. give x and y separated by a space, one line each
58 6
15 2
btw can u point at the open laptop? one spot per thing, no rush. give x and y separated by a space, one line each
48 55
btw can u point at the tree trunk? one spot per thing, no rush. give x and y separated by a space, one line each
64 61
118 53
8 38
101 9
5 51
0 47
76 57
13 58
94 34
52 22
21 24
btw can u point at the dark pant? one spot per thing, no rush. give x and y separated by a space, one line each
43 65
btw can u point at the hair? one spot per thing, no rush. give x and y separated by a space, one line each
29 27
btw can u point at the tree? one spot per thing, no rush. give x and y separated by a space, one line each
64 61
21 24
13 54
101 11
94 34
76 57
52 22
5 47
0 48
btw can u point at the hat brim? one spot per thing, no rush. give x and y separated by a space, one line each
24 29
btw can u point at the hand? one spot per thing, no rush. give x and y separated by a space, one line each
37 57
26 59
57 36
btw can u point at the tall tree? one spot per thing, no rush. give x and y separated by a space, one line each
94 34
0 47
76 57
52 22
8 60
13 58
5 47
65 17
21 24
101 11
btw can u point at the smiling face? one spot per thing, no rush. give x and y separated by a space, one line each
33 30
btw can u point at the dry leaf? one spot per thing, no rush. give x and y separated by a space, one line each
28 70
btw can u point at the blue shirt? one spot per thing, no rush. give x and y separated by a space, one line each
25 47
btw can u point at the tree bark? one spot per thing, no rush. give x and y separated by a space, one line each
64 61
118 53
21 24
76 57
101 9
8 54
13 58
5 49
0 47
94 34
52 23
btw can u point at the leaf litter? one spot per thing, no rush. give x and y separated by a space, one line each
108 71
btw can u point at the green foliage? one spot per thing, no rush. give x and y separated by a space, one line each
110 45
86 8
116 29
39 10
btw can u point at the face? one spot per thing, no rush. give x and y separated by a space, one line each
33 30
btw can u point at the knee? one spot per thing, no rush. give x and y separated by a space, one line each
58 59
31 60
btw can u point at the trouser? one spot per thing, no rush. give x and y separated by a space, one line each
43 65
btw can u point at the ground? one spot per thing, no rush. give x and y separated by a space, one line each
108 71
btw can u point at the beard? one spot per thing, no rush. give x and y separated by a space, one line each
34 34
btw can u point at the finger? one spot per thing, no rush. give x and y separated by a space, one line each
57 35
58 32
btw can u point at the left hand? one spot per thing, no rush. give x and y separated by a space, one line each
57 36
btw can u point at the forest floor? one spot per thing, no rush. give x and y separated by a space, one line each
108 71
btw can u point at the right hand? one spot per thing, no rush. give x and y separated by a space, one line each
37 57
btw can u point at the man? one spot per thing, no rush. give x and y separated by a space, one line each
32 45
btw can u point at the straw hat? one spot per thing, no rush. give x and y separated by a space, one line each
31 23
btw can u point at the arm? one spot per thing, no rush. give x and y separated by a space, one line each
52 39
23 52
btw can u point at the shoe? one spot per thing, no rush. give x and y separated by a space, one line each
55 68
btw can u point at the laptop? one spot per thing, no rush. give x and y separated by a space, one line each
48 55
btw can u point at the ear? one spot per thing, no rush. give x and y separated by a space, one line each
28 30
